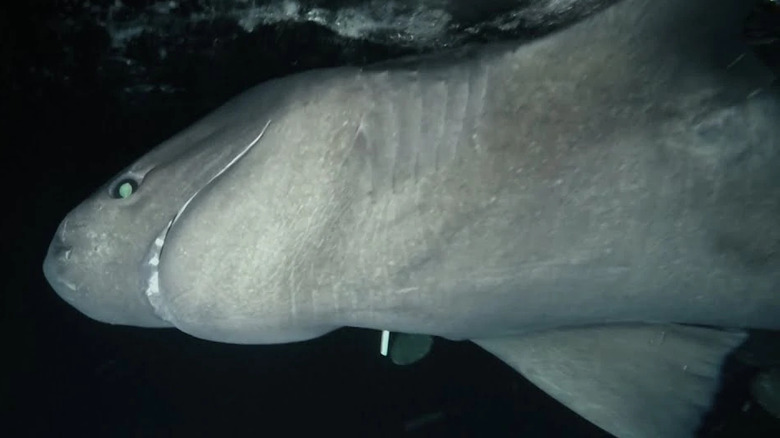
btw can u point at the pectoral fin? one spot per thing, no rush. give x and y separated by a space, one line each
631 380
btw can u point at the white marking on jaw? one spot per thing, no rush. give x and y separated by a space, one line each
152 262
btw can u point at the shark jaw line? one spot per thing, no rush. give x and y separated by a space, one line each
151 272
151 264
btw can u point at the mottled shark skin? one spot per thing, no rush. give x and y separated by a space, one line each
616 176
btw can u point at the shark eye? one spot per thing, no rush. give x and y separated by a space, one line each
124 188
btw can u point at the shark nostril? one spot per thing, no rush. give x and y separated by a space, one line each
60 249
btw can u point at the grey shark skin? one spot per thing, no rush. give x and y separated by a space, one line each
560 202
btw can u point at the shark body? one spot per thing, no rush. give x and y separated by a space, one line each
565 203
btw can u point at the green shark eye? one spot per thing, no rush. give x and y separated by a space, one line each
124 189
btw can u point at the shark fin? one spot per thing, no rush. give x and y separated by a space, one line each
639 380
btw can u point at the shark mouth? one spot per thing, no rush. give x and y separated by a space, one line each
151 264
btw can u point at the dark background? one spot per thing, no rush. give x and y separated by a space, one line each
76 106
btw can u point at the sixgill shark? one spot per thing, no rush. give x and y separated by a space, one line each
599 208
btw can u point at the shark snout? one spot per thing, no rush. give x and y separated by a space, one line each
59 249
80 269
55 264
59 263
59 252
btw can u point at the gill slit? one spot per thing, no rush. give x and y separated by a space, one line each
153 260
227 166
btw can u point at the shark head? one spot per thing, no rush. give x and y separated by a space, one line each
102 235
129 253
104 257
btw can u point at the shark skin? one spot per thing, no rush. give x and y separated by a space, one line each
597 208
